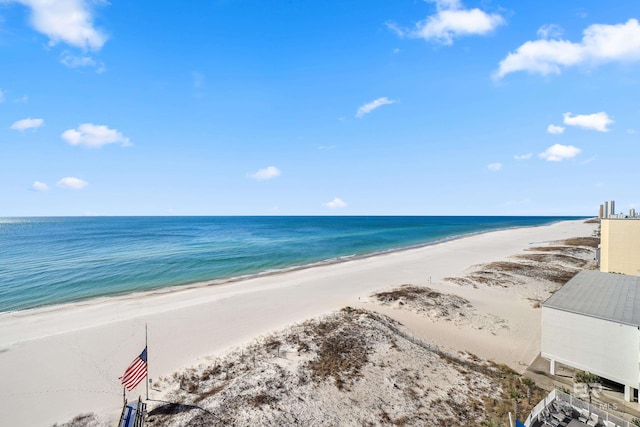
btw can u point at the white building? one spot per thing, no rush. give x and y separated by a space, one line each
593 324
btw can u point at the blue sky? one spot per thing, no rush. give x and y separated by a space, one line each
246 107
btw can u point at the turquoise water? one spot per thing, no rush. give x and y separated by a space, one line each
55 260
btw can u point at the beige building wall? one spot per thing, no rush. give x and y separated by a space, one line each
620 246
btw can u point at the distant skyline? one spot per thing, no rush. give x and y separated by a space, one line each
239 107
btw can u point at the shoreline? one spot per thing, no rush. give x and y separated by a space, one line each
50 357
266 273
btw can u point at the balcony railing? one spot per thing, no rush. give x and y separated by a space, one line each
578 408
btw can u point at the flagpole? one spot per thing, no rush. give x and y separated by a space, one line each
147 349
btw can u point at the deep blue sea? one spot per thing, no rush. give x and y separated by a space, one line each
55 260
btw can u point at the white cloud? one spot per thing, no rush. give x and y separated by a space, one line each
1 96
600 44
556 130
523 156
446 4
69 21
550 31
39 186
23 99
25 124
558 153
94 136
597 121
494 167
453 20
266 173
73 61
72 183
400 32
369 107
541 56
335 204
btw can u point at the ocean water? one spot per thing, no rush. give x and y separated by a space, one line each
56 260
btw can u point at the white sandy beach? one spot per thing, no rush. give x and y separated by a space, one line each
60 361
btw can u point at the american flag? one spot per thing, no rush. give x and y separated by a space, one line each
136 372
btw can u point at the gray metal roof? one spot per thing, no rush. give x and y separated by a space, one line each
608 296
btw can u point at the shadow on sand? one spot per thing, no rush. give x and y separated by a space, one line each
171 408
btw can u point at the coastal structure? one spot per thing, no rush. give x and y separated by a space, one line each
620 246
607 209
559 409
593 324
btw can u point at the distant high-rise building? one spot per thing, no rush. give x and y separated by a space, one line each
601 214
632 213
609 209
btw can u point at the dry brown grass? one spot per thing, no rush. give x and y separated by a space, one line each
591 242
342 351
567 250
262 399
427 302
555 264
551 273
554 257
407 293
484 277
595 220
